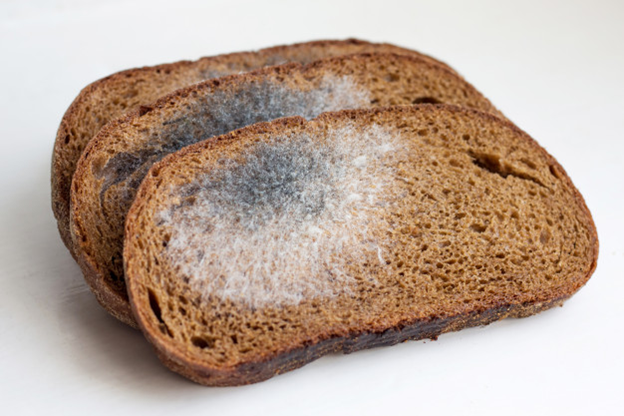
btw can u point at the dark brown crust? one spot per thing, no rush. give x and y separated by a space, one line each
61 183
255 372
115 301
292 357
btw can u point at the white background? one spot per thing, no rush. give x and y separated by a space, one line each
554 67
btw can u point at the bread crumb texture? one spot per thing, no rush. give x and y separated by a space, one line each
275 238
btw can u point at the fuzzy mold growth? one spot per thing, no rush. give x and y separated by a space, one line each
225 111
283 223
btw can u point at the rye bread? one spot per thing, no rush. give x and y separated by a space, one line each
258 251
116 160
113 96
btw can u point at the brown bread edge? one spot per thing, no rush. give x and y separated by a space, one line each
255 372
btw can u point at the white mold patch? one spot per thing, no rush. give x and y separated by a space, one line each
286 222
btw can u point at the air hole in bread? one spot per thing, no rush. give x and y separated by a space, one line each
479 228
492 163
201 342
488 162
144 110
426 100
555 171
455 163
155 306
114 277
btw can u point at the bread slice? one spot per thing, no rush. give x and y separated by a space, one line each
113 96
256 252
117 159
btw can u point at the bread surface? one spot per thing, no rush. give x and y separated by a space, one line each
116 160
258 251
111 97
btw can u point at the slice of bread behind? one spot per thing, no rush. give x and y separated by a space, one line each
113 96
115 162
261 250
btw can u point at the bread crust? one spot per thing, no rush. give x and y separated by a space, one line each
293 356
110 299
69 143
258 371
96 274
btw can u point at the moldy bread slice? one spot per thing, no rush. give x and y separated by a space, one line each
258 251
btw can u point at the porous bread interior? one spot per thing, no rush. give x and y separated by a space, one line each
111 97
120 156
293 199
476 216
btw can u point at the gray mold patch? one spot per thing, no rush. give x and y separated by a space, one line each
225 111
292 179
286 222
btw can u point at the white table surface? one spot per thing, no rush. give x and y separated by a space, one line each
554 67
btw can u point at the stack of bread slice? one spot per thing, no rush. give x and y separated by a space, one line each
252 212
